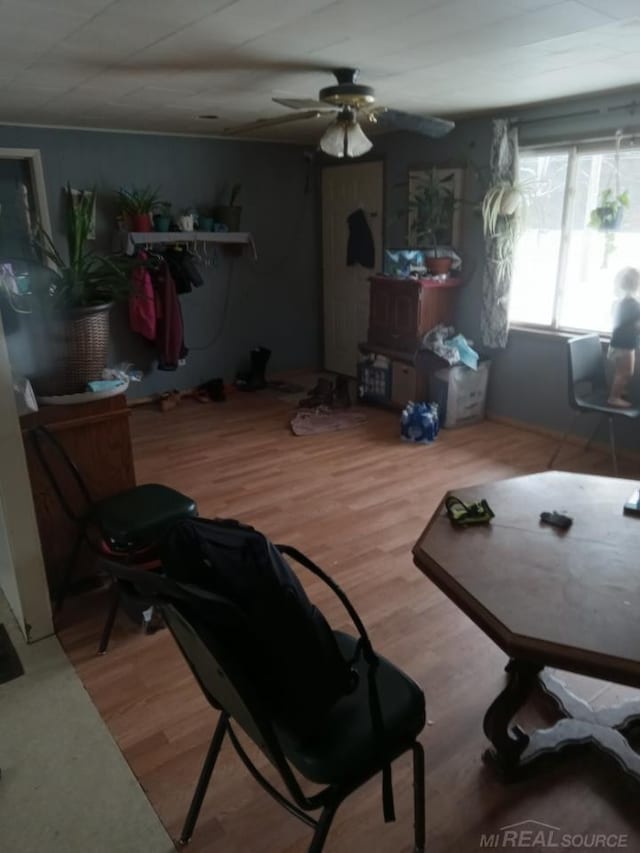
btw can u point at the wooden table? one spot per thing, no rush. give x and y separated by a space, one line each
548 598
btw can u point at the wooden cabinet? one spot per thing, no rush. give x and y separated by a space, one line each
402 310
96 437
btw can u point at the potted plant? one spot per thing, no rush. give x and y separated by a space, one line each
431 210
162 219
502 213
205 220
138 205
608 216
78 290
229 214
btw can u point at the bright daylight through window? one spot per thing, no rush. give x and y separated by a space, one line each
563 277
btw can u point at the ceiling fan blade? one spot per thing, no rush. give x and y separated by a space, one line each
389 119
240 130
301 103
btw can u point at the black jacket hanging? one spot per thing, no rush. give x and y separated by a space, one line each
360 248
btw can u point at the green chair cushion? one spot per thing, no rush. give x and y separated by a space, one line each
139 517
346 747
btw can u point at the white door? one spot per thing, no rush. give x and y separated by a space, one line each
346 189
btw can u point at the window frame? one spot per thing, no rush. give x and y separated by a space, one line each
573 150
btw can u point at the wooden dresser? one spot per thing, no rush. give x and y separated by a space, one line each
402 310
97 438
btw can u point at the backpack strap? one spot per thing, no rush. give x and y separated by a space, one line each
372 662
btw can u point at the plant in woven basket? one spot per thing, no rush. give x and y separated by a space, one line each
80 288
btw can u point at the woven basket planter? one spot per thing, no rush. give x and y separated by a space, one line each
79 353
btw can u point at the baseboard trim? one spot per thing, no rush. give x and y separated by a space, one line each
573 440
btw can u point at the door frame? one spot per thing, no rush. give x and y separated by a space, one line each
25 581
341 164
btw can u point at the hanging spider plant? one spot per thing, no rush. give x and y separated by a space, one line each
502 215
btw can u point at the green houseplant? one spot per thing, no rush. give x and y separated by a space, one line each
230 214
608 216
138 205
77 291
431 210
502 210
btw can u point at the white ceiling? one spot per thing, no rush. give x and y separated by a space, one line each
159 64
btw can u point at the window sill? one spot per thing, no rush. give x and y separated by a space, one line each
555 334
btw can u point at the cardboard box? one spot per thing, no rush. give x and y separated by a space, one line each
461 394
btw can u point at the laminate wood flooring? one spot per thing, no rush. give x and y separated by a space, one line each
355 501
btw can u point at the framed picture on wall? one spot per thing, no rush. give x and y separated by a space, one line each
451 181
76 195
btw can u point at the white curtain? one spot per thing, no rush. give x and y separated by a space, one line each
496 284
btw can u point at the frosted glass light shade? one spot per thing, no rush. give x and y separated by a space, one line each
345 139
357 143
332 140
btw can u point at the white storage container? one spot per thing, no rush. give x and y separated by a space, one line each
461 394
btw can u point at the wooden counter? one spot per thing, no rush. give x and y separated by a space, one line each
96 436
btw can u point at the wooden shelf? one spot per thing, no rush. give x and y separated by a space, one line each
236 238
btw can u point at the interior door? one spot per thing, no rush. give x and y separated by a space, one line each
346 189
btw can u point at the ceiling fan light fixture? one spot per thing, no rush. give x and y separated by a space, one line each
357 142
344 137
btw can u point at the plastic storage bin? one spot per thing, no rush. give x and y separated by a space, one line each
374 379
461 394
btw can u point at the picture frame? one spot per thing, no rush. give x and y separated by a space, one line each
417 178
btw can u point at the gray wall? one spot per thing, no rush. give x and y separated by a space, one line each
529 377
274 302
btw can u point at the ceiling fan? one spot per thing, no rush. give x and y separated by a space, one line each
352 104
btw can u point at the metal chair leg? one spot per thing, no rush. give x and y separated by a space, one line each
419 816
559 447
63 589
111 618
612 442
322 830
204 779
593 434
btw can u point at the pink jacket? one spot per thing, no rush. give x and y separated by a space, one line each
143 317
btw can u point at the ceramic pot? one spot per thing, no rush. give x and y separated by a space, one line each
438 266
141 222
162 223
185 222
229 216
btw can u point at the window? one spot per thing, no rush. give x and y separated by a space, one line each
561 278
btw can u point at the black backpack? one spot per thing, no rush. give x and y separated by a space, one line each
291 653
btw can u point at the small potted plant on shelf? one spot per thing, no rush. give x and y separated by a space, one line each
78 291
205 220
138 206
163 218
230 214
431 210
607 217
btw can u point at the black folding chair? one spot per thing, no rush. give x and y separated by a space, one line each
342 756
589 392
128 524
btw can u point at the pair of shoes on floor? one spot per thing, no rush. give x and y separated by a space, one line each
325 393
619 403
212 390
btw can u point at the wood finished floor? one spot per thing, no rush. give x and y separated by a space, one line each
355 501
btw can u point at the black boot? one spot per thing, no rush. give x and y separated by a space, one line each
255 379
